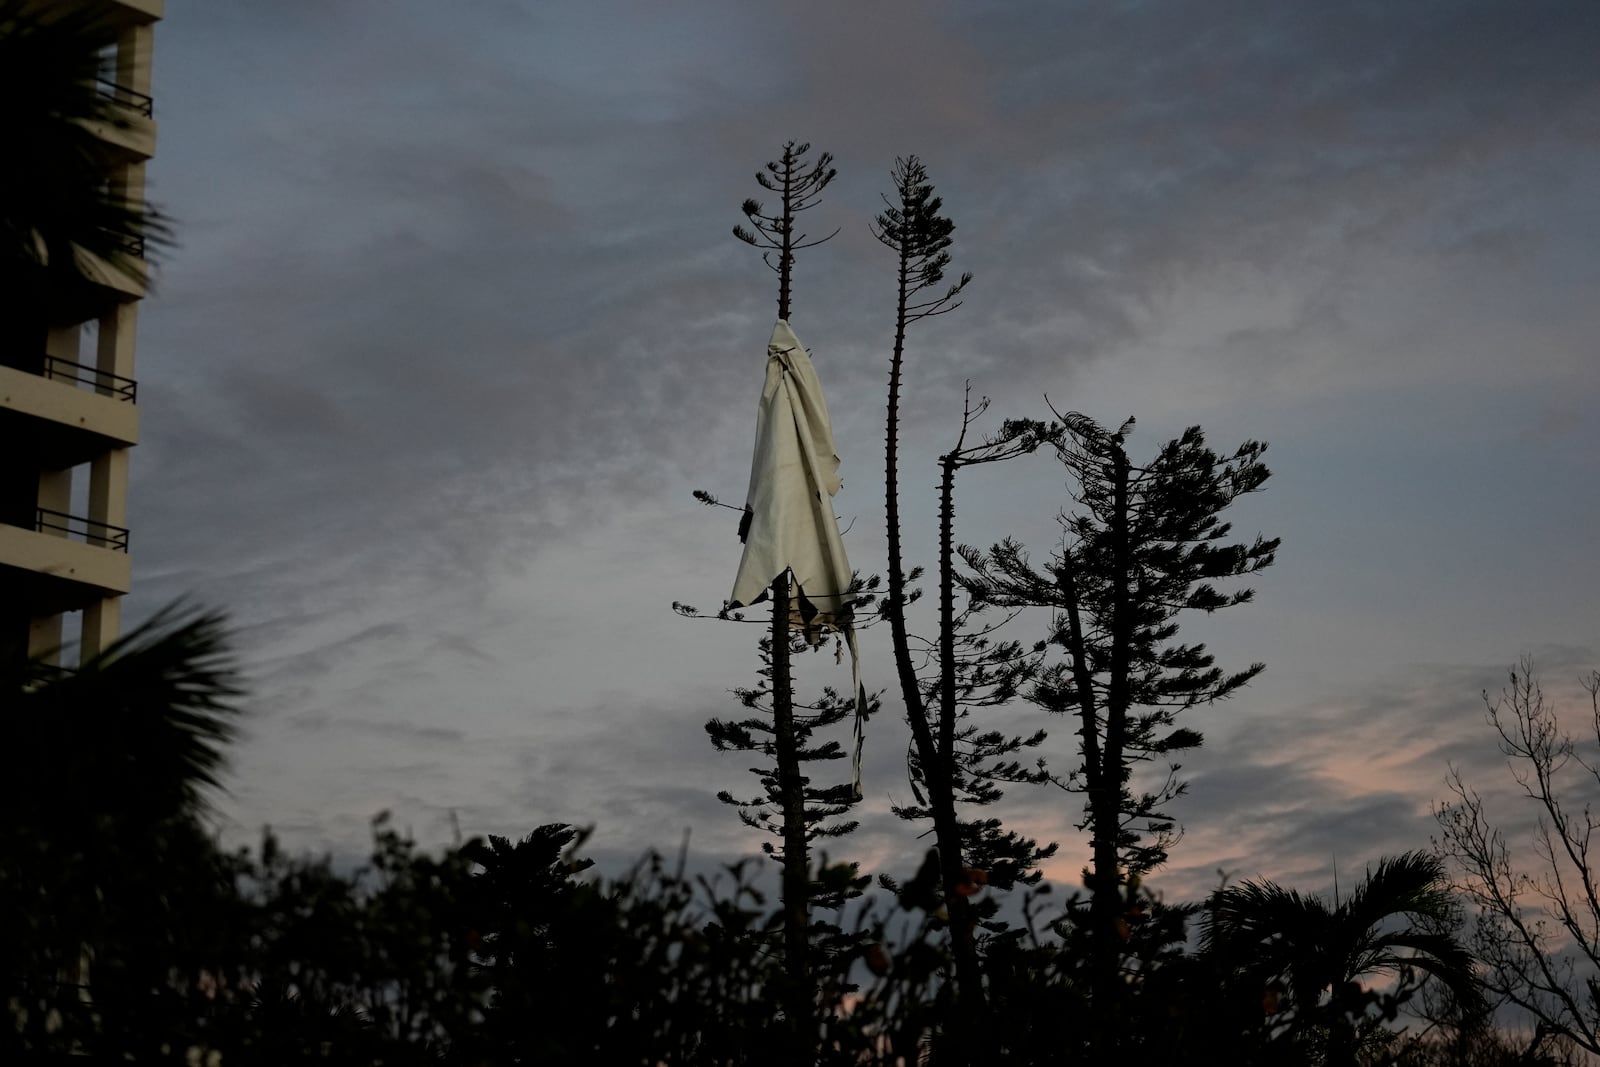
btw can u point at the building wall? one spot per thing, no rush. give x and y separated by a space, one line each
68 395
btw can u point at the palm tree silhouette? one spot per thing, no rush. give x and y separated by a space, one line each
108 872
1307 959
137 732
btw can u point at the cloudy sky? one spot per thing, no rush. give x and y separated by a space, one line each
457 325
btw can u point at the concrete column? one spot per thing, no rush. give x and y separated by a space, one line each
102 623
108 503
117 330
55 487
127 182
108 489
135 52
108 472
44 632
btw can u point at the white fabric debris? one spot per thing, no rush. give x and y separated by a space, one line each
793 477
789 520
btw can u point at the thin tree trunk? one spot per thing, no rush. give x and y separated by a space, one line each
936 771
1106 800
968 969
796 866
947 612
796 917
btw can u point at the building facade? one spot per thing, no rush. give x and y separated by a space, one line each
69 401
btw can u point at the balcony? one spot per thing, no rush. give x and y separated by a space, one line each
78 528
103 280
64 563
135 101
113 14
103 382
64 413
133 131
133 12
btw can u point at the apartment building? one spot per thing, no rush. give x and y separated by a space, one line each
69 397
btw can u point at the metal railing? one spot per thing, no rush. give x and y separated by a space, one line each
44 673
103 381
129 98
79 528
133 244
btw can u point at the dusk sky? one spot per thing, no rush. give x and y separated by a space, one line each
456 326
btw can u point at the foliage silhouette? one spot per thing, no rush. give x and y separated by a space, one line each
108 879
973 669
1289 952
1538 930
150 942
1143 549
913 227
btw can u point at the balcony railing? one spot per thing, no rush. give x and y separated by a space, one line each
129 98
79 528
102 381
131 243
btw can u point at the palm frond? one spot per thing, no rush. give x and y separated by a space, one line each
142 728
1397 920
56 193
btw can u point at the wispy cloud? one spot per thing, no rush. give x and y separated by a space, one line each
456 325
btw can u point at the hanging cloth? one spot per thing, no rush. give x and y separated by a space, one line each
789 522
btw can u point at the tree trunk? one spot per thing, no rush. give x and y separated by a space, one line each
796 872
796 876
1106 799
937 771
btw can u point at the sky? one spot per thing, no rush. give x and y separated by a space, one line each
456 325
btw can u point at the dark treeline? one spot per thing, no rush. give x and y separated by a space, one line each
129 934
